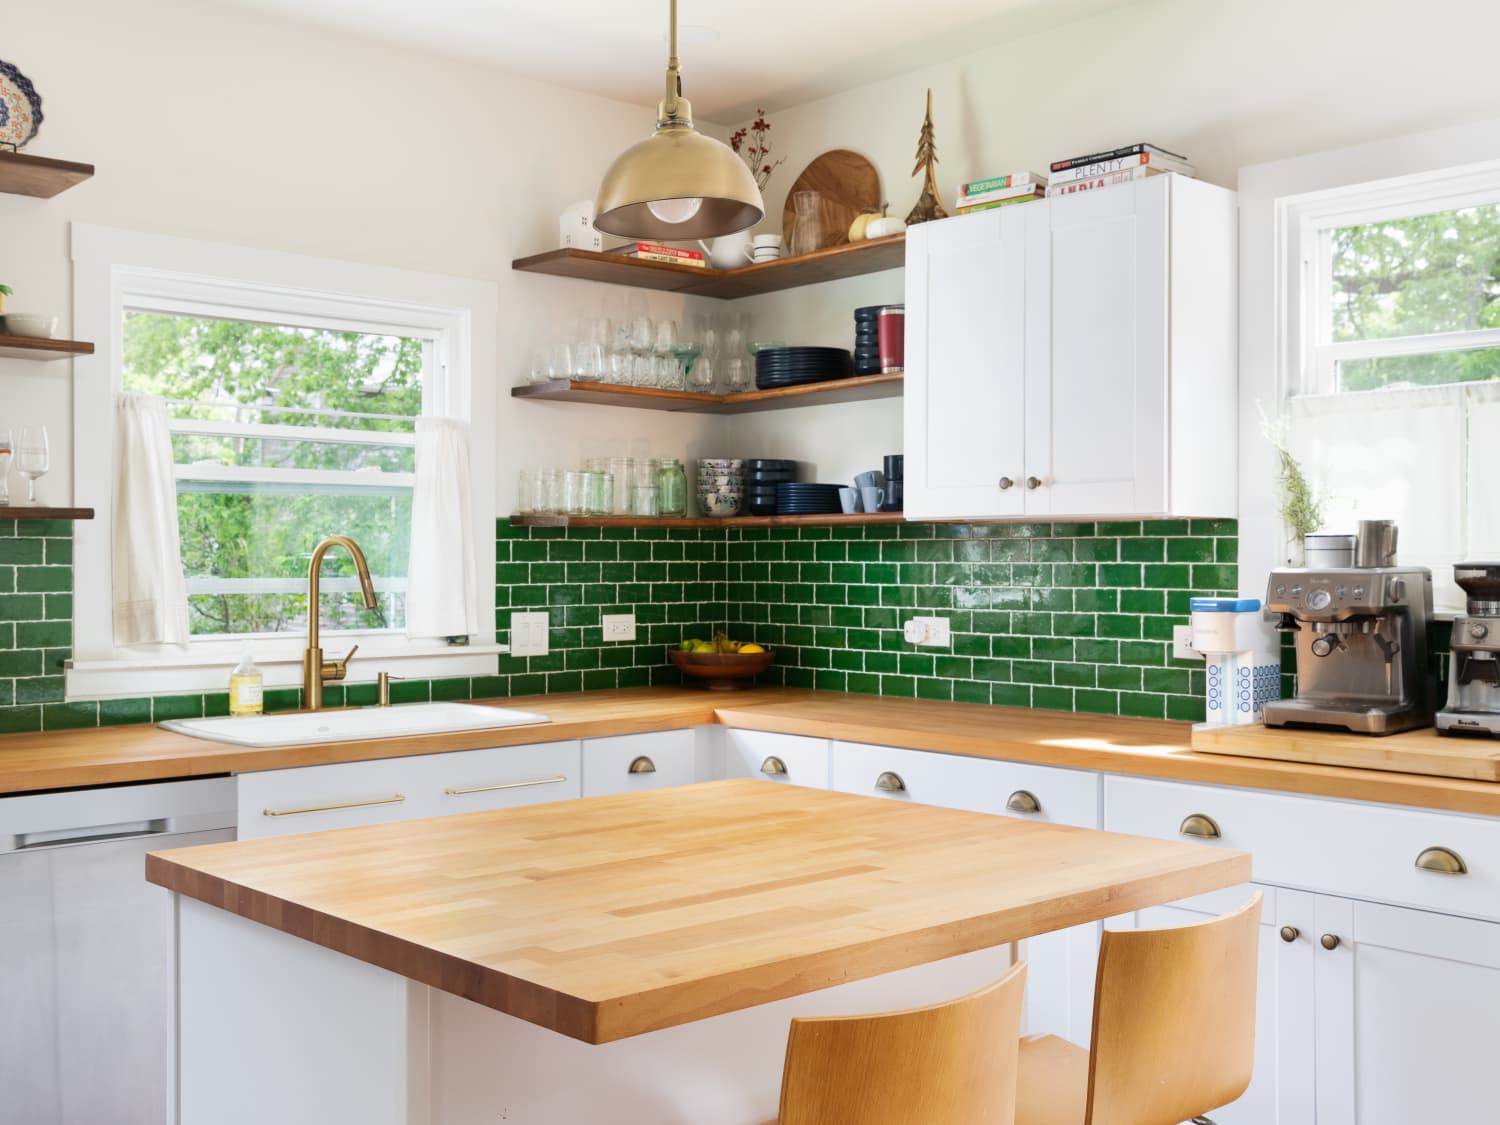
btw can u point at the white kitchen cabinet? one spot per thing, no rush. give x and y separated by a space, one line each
502 778
790 759
1074 357
629 763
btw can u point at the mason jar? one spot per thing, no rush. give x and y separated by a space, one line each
671 488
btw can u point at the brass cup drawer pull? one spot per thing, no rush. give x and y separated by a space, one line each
773 767
1200 827
1023 801
889 782
393 799
641 764
1329 941
1290 934
465 790
1442 861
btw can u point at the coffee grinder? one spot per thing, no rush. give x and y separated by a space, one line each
1474 666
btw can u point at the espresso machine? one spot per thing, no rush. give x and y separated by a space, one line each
1474 666
1361 639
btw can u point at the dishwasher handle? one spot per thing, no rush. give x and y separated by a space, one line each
91 834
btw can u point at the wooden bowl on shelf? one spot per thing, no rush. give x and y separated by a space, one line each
721 671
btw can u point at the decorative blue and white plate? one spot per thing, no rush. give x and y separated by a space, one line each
20 107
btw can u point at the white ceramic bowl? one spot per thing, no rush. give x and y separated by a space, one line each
29 324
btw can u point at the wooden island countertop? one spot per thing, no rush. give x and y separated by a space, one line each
1140 747
609 917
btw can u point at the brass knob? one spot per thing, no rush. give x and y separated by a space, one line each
1033 483
773 767
1023 802
1200 826
890 783
1442 861
1329 941
1006 484
1290 934
642 764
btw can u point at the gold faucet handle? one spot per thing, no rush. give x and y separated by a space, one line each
335 669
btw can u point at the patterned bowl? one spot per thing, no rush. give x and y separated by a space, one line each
719 504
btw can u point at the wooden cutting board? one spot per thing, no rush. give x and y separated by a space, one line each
1414 751
848 184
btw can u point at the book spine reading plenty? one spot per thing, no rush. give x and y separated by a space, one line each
1114 154
1140 172
1122 164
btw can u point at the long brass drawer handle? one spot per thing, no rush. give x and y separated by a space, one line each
773 767
642 764
393 799
1442 861
465 790
1200 826
889 782
1023 801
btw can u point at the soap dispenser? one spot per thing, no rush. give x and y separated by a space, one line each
246 688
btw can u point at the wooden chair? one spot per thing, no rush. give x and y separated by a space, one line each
941 1065
1174 1030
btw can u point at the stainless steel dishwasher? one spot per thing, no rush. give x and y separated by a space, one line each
86 948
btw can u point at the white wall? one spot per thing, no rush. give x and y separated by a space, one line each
209 121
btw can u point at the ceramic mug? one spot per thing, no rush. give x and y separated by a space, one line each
874 478
872 496
849 500
765 247
728 250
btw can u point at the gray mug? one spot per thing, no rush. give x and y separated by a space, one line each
872 496
849 500
873 478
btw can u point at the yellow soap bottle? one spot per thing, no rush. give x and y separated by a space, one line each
246 688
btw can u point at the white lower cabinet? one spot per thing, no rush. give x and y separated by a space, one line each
790 759
629 763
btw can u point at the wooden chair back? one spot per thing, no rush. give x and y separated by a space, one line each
1174 1020
947 1064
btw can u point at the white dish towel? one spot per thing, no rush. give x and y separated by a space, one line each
150 596
441 591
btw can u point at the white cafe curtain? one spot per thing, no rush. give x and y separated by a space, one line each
441 588
150 596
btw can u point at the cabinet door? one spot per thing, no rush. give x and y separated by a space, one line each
501 778
1408 1015
965 365
1096 399
341 795
791 759
628 763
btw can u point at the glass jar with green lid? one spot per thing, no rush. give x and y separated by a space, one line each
671 479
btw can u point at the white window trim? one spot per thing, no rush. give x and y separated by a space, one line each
107 262
1270 328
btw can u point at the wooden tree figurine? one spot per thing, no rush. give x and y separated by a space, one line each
929 206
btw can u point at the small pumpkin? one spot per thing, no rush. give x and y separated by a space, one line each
862 221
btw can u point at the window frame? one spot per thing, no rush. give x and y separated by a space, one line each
115 270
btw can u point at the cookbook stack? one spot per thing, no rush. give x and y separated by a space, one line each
1116 166
1000 191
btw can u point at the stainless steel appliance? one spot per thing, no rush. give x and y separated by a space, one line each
1361 645
86 948
1474 666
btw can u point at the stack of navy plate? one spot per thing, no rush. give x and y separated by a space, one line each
762 477
792 367
867 340
793 499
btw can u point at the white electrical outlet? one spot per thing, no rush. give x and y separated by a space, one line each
528 634
1182 643
931 632
618 626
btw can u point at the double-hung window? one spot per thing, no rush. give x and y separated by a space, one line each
1394 408
292 400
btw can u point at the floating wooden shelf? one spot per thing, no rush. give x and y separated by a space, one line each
831 520
860 388
39 176
23 511
849 260
41 350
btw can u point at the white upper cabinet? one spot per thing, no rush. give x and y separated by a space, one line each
1074 357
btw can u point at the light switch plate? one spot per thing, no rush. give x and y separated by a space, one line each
618 626
528 634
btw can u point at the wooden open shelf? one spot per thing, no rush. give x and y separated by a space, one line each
42 350
860 388
852 259
831 520
20 510
39 176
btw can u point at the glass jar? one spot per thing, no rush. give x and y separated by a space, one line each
671 488
597 492
551 491
574 495
644 500
621 471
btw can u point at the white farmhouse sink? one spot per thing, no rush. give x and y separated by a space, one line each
310 728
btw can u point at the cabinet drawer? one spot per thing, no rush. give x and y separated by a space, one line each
1356 850
501 778
632 762
792 759
978 784
317 798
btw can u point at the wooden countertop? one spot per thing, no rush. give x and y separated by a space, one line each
1141 747
613 916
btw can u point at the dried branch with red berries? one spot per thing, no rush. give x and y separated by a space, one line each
755 150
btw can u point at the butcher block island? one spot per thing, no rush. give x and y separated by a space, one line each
625 959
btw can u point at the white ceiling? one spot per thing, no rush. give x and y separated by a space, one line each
735 56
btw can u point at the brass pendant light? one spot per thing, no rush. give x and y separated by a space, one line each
677 183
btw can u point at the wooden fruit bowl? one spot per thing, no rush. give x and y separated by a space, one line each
721 671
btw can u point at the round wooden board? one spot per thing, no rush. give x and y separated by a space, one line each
849 185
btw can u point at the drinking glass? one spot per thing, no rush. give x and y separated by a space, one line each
643 369
668 372
666 335
734 374
32 458
528 488
5 452
702 375
641 333
590 360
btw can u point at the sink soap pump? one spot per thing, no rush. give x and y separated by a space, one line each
246 688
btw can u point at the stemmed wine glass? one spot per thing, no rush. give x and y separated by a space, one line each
32 458
5 452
